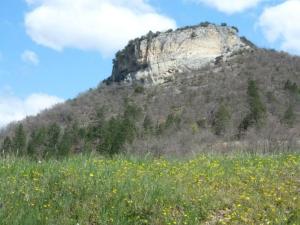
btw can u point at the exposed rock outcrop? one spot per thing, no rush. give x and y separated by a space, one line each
157 57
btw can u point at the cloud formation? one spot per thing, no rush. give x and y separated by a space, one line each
13 108
281 23
102 25
30 57
229 6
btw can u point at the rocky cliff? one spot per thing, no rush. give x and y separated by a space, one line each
157 57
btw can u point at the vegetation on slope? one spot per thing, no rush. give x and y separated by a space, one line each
250 101
209 189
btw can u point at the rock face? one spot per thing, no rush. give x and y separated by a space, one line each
156 58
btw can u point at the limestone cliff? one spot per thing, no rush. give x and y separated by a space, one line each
155 58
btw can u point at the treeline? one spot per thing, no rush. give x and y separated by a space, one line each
105 136
109 136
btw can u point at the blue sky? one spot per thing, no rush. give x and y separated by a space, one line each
51 50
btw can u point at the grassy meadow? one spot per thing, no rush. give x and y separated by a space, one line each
207 189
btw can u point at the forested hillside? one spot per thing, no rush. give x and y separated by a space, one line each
250 101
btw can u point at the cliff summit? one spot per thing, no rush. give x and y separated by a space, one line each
157 57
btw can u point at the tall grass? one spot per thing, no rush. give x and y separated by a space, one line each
208 189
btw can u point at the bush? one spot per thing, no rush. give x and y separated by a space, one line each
37 142
19 140
235 28
193 35
6 146
139 89
289 116
205 24
291 86
148 125
53 138
172 120
256 107
119 130
221 121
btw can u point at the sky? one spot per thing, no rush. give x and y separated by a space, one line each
52 50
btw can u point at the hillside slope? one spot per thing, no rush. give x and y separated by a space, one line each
247 99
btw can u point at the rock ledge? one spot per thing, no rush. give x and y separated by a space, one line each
157 57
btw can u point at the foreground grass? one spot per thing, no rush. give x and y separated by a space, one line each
205 190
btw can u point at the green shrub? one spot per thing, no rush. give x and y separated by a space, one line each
235 28
148 125
222 119
19 140
289 116
6 146
291 86
139 89
119 130
37 142
257 109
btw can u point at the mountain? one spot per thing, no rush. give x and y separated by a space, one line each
156 58
198 88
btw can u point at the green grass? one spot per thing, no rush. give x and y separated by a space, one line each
208 189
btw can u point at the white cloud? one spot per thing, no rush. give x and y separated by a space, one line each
103 25
230 6
281 23
30 57
13 108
